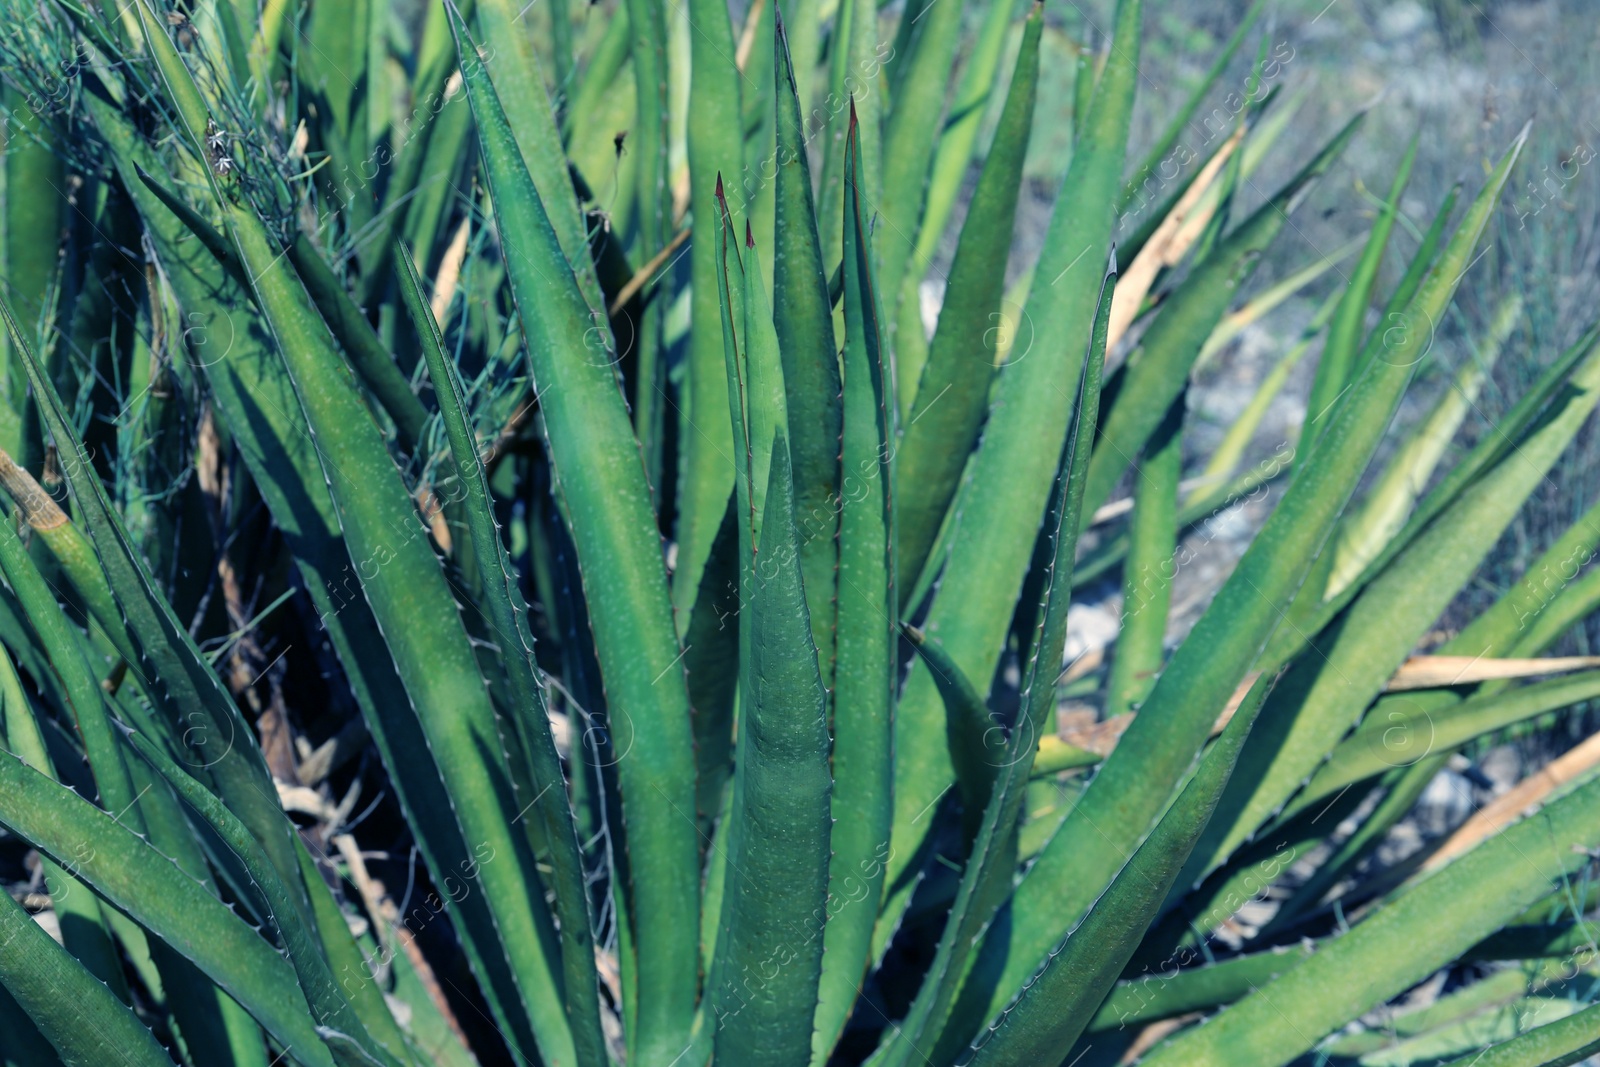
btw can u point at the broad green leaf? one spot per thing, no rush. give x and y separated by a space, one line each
803 319
283 911
1009 477
1134 783
1156 372
911 132
990 867
252 390
85 932
1148 572
715 147
1325 691
360 342
1400 943
952 390
507 617
409 597
84 1020
1407 734
866 673
1383 513
518 80
1057 1004
85 699
133 877
763 988
1557 1044
606 500
957 143
1349 321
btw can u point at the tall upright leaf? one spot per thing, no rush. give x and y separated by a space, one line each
952 391
601 483
863 693
1009 477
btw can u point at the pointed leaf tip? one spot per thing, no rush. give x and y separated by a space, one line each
749 235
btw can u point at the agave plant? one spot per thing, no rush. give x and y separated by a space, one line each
487 587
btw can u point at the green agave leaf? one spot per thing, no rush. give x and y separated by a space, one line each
865 678
911 133
252 390
1399 944
360 342
649 139
78 1015
957 143
345 957
1147 574
1160 151
85 699
1398 738
34 216
1516 423
1325 692
1124 797
25 1045
433 195
84 929
1566 1041
189 691
1511 627
1344 334
952 390
1225 458
768 962
406 589
1166 995
974 735
1393 314
327 1003
518 81
1150 1000
1056 1006
1009 477
136 879
854 79
507 616
766 406
802 316
711 648
714 147
1384 511
1156 373
606 500
990 867
760 112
